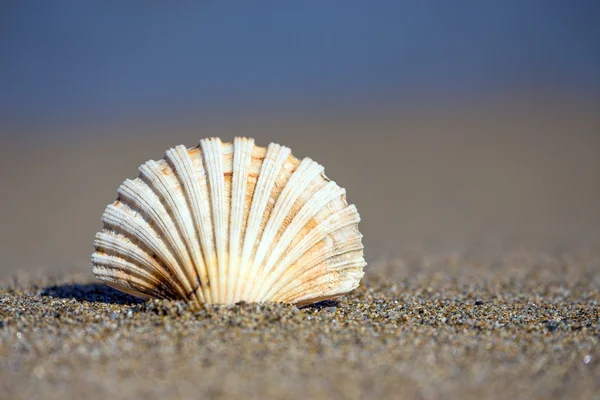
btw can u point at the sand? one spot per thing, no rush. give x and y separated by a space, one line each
426 327
481 227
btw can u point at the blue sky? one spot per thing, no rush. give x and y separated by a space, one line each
109 58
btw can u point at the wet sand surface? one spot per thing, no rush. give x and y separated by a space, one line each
481 227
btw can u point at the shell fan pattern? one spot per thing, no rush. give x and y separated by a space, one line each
225 222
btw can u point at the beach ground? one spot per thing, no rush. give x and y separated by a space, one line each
525 326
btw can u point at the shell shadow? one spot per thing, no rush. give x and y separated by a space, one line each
92 292
321 305
98 292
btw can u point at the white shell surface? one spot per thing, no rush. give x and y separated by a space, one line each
225 222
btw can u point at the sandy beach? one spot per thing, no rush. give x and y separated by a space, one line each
481 228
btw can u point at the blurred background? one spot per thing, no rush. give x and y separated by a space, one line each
454 126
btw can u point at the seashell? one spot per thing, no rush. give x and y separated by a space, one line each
226 222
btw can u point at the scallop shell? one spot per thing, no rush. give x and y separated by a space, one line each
226 222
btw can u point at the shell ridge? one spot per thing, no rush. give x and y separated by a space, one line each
270 168
316 259
181 165
332 223
209 216
244 263
298 182
139 197
177 211
143 195
122 217
242 158
333 283
345 261
199 196
320 199
113 266
112 243
213 157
